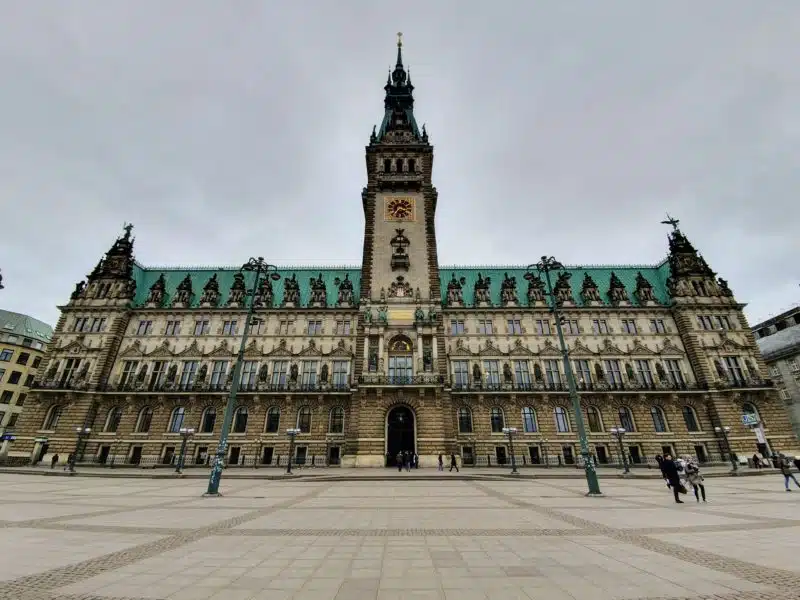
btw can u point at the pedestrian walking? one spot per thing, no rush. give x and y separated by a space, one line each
672 473
441 463
786 471
660 461
407 461
54 461
756 461
453 463
797 462
416 460
399 460
694 478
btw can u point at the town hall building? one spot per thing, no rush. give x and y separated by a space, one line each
402 354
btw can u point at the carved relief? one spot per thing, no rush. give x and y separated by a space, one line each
345 295
210 295
482 291
157 292
291 291
238 290
589 291
319 292
536 291
399 244
455 293
400 288
265 294
562 288
508 291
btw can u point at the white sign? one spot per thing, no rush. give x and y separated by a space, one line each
749 419
760 436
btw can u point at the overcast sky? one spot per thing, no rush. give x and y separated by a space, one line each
229 129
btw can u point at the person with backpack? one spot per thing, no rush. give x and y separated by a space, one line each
694 478
786 470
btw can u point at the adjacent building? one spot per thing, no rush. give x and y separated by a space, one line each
23 341
779 341
402 353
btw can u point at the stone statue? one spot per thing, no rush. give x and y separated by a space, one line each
83 373
400 288
319 291
52 371
508 290
508 375
644 290
476 373
482 293
80 288
432 317
157 291
238 289
184 293
263 373
455 294
345 296
172 374
723 288
562 288
720 369
210 292
660 372
294 372
323 375
383 315
419 315
265 294
616 290
202 373
537 372
383 294
535 289
291 291
599 375
142 375
589 291
367 314
629 372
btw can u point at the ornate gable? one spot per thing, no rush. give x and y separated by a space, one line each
729 345
340 350
191 350
162 351
310 350
609 347
461 349
580 349
490 350
280 350
519 349
75 346
640 349
670 348
549 348
221 351
134 350
252 350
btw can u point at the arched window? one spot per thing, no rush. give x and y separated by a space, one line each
304 420
240 420
562 420
336 421
690 418
749 408
464 420
400 360
659 420
528 420
52 417
208 420
498 420
626 419
595 418
176 419
143 420
112 420
273 420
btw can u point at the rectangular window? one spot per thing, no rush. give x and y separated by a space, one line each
723 322
674 372
257 326
14 378
218 372
542 327
5 355
613 374
794 367
400 369
314 327
279 370
522 374
372 354
310 373
657 326
340 368
514 327
28 379
145 328
188 373
81 324
283 327
570 327
2 372
705 322
229 328
583 373
734 369
69 369
21 398
343 327
23 358
157 376
552 373
98 325
5 397
173 328
249 374
485 327
599 327
129 368
492 373
456 327
643 373
629 326
27 342
202 327
460 374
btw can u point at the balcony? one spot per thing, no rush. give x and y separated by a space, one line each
61 383
542 387
401 380
204 387
742 383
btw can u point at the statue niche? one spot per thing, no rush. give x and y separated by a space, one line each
210 295
535 291
157 292
400 288
562 288
644 290
345 295
319 292
455 293
508 291
482 291
589 291
265 293
399 243
238 290
291 291
184 293
616 290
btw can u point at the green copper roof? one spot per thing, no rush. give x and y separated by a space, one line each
656 275
23 325
145 277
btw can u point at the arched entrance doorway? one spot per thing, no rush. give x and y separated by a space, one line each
400 432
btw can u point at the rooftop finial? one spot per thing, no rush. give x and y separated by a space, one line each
671 221
399 64
127 229
399 39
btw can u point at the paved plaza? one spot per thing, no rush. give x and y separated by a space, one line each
88 538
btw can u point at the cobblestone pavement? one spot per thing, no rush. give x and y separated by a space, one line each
136 539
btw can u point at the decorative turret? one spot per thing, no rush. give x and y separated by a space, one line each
398 124
112 277
690 274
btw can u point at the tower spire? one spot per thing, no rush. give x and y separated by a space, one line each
398 118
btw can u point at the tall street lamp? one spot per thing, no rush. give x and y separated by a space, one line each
618 432
725 431
83 432
544 267
292 433
510 432
259 267
185 434
545 441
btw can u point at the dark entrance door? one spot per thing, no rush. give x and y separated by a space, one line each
399 433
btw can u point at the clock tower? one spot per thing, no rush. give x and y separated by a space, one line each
400 261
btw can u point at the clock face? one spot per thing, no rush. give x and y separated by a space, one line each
399 209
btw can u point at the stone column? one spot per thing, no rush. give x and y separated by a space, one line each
381 357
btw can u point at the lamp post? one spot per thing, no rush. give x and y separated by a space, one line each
544 267
82 433
185 434
259 267
618 432
291 433
510 432
257 457
725 431
545 441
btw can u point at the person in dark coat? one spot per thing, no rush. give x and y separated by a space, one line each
453 463
660 461
399 460
673 476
